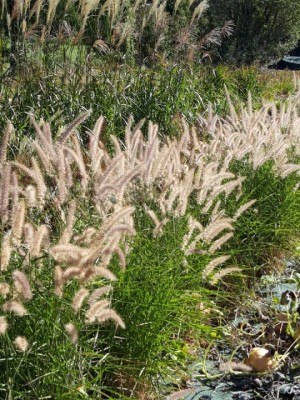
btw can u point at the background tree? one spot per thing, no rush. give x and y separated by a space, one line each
265 30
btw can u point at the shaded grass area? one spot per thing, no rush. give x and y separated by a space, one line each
266 232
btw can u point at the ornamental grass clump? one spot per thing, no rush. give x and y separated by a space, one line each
67 217
48 250
263 147
109 258
58 164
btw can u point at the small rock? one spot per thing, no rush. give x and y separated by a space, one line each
242 396
258 382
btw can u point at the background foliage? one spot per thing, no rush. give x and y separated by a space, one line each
265 30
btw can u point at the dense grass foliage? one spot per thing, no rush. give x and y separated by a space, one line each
164 94
159 235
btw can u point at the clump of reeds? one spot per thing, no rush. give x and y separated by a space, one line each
126 25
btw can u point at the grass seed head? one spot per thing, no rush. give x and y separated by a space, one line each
21 343
3 325
72 332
